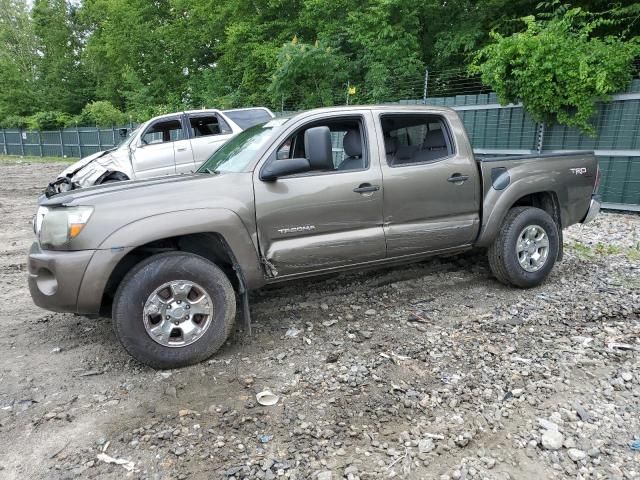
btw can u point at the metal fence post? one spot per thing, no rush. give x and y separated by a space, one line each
99 139
113 135
40 142
4 142
540 139
426 86
79 144
21 143
61 143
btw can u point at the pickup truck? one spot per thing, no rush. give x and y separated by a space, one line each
323 191
165 145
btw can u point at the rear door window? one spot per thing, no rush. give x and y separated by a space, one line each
415 138
207 125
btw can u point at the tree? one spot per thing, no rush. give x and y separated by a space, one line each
102 114
557 68
310 75
18 77
61 82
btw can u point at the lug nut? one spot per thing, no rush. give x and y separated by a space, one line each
187 307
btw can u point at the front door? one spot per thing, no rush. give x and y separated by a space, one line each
331 216
432 186
155 155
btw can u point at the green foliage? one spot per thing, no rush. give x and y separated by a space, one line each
308 74
51 120
102 114
61 82
14 121
557 68
17 60
148 57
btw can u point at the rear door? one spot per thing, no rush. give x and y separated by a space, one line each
155 154
431 184
208 131
329 217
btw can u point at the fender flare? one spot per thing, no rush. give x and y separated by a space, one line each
118 244
498 202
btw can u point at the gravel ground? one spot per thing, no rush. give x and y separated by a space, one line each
432 370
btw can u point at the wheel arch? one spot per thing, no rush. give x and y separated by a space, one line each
216 234
546 200
210 245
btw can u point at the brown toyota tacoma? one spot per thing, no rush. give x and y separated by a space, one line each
323 191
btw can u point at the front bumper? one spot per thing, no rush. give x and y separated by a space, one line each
55 277
594 209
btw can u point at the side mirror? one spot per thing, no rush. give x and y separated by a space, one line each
280 168
317 146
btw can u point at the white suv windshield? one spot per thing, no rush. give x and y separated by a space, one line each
235 155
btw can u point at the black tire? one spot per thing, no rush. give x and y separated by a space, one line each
503 258
143 280
114 177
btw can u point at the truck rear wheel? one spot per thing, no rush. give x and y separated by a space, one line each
174 309
526 248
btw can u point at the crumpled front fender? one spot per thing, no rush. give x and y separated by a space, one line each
90 170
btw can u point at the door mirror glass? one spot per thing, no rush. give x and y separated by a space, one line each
281 168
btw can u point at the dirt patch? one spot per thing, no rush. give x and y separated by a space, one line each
432 370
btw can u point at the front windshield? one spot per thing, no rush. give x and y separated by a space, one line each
125 142
235 155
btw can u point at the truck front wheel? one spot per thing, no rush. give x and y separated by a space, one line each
174 309
526 247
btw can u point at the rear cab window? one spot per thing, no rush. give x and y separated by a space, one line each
415 138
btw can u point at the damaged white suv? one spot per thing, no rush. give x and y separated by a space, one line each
164 145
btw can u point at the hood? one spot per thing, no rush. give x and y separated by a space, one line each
74 167
100 193
122 203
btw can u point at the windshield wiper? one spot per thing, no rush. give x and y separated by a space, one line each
212 172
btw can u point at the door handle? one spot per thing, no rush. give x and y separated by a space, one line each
458 178
366 187
182 149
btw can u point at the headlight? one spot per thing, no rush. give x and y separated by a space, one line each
58 226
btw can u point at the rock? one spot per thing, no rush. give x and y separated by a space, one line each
351 470
552 440
179 451
626 376
548 425
332 357
325 475
576 455
517 392
371 311
425 445
582 413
